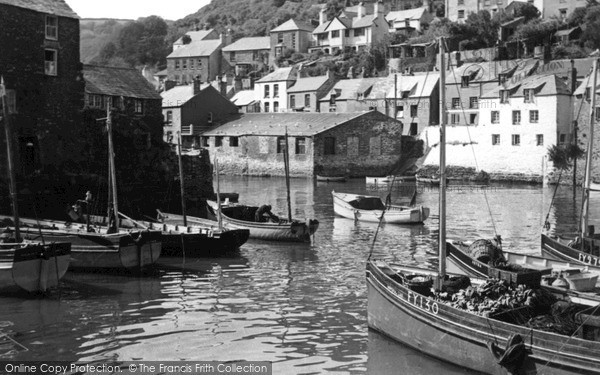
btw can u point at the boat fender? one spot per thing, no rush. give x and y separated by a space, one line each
513 355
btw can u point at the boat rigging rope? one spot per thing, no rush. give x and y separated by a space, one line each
473 150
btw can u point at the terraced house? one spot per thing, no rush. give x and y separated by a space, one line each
41 67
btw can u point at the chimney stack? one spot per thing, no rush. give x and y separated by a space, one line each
222 85
322 16
196 85
378 10
361 10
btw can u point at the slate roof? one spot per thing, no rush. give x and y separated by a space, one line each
348 22
487 71
349 89
112 81
419 85
195 49
249 44
275 124
587 82
177 96
244 98
293 25
196 36
401 15
566 32
281 74
308 84
55 7
544 85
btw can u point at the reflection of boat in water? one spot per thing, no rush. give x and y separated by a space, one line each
386 356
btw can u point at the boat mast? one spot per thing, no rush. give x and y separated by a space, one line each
585 202
442 225
286 161
10 157
111 167
181 178
219 216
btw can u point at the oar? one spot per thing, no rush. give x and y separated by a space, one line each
133 221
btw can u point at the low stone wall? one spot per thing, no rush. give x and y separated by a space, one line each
458 173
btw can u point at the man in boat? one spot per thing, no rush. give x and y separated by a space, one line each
264 214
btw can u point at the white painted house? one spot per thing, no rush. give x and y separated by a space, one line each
272 90
517 123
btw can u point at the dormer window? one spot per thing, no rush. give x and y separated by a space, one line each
404 94
502 77
52 27
504 94
588 93
528 93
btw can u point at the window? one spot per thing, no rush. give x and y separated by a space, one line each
414 128
454 118
279 38
169 118
276 90
267 93
176 64
473 118
50 62
199 66
414 110
588 93
294 41
528 93
562 138
184 63
461 13
347 33
504 96
234 142
51 27
307 100
464 82
267 105
218 141
275 106
138 106
461 2
473 102
502 78
534 116
597 113
455 103
255 55
359 32
192 63
495 139
329 144
400 111
232 56
292 101
563 13
516 140
280 145
516 117
335 34
495 117
539 140
204 141
300 146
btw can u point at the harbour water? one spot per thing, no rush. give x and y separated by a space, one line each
301 306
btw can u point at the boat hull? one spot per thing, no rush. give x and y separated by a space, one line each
461 338
33 267
130 250
555 249
394 215
331 178
296 231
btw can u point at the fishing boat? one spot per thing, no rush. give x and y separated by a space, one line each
331 178
97 246
239 216
371 209
192 240
33 267
411 309
583 247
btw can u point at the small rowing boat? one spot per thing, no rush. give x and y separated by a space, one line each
371 209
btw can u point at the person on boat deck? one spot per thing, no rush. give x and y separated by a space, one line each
264 214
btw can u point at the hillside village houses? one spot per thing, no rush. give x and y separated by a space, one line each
409 21
248 55
458 10
306 92
272 89
293 35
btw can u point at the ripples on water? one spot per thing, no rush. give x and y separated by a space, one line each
303 307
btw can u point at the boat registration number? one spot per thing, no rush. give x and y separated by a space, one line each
421 302
589 259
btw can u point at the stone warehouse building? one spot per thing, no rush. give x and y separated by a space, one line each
40 64
355 144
